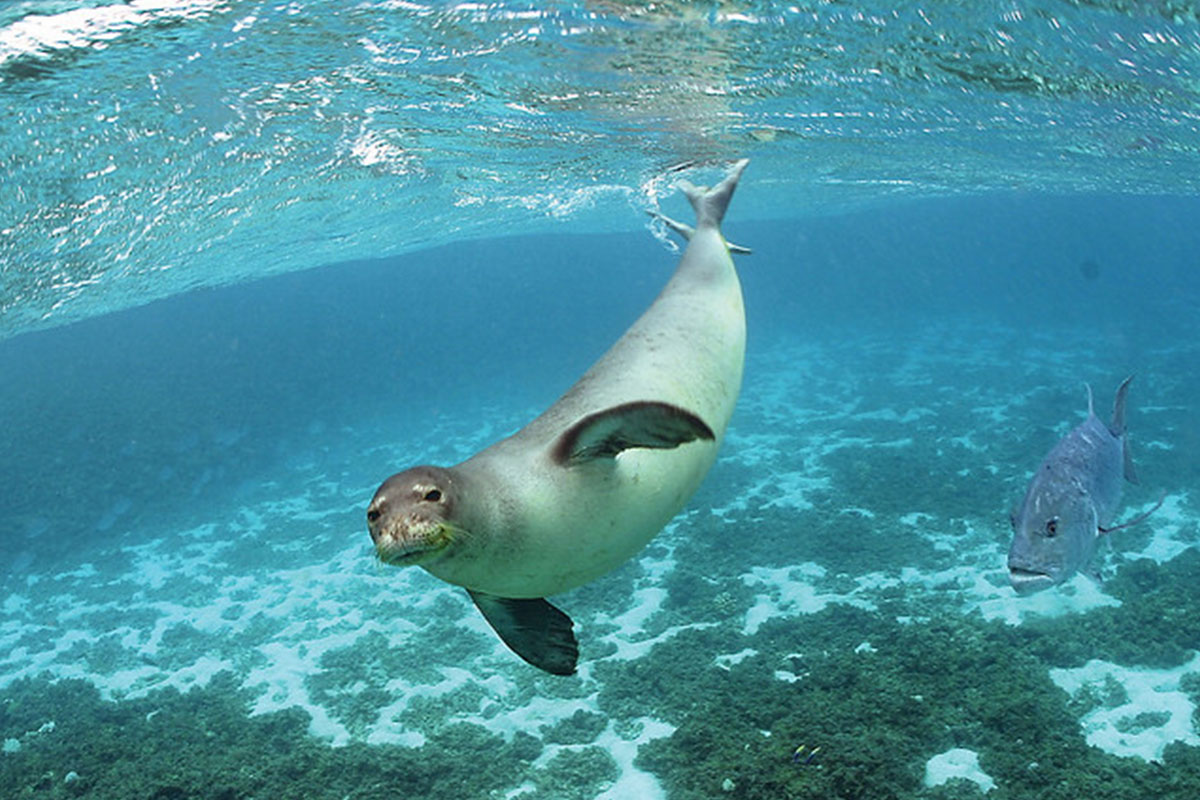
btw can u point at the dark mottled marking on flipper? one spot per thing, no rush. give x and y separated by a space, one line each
533 629
642 423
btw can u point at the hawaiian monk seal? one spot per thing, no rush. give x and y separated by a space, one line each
587 484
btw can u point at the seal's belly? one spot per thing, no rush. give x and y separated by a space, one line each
576 529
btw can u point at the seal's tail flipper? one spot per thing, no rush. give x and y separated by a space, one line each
710 204
533 629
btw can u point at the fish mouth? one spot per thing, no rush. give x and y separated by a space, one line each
1028 581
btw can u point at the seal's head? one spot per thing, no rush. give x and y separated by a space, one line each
409 516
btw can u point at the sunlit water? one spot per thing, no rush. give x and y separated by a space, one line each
256 257
153 147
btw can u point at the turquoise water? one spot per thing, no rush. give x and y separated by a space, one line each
254 258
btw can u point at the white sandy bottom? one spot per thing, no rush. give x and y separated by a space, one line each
1141 710
957 763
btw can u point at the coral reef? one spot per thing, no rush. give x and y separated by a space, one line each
574 775
582 727
203 745
1156 625
878 713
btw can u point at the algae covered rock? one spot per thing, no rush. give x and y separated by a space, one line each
582 727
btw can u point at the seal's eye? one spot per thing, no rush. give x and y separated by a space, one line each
372 515
1051 527
433 495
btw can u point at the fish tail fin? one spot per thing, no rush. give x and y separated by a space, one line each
1117 426
710 204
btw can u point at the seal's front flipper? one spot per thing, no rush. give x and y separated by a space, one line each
642 423
533 629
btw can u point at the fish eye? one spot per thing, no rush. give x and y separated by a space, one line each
433 495
1052 527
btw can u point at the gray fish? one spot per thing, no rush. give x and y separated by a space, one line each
1072 498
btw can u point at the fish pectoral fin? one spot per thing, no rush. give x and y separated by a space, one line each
642 423
1139 518
533 629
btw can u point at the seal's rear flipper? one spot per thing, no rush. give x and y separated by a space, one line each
533 629
686 232
642 423
710 204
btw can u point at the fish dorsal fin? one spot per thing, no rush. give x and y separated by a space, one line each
642 423
533 629
1117 426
